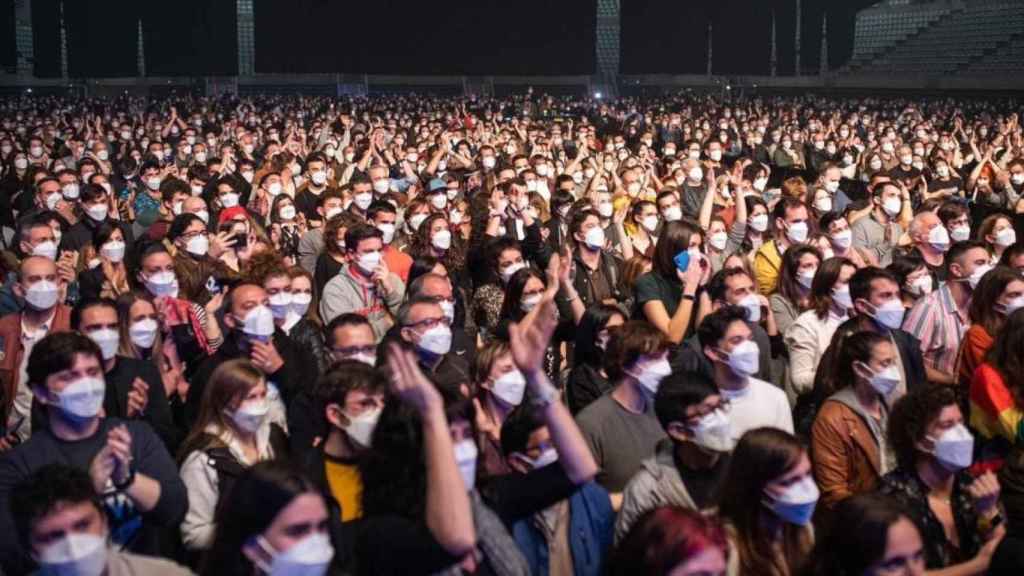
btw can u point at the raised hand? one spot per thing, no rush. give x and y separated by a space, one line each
408 382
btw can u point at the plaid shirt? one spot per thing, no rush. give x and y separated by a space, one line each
940 326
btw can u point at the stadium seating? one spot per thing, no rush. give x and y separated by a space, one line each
967 36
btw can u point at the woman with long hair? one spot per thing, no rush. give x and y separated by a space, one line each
287 226
275 521
998 234
587 379
145 336
996 396
107 275
767 501
998 293
672 541
848 443
499 389
434 238
812 331
871 534
666 295
307 328
503 257
791 298
234 430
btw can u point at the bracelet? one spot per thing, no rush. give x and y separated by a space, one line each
545 397
690 297
122 486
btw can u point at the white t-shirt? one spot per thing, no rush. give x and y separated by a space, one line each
757 405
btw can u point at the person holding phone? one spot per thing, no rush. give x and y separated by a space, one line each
665 296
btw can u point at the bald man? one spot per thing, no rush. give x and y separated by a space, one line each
42 292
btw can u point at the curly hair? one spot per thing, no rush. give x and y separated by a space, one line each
910 418
264 265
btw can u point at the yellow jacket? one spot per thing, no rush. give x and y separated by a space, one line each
767 262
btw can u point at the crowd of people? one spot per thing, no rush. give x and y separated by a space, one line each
531 335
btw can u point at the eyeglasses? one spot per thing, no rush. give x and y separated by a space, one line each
429 323
350 351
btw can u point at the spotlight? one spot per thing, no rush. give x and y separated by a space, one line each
28 90
597 95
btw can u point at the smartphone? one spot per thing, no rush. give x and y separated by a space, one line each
682 260
241 239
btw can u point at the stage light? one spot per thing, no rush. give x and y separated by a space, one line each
597 95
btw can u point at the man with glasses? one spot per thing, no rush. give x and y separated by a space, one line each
424 326
691 463
439 288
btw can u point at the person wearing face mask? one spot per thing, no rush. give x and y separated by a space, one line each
691 463
916 281
149 200
308 195
135 390
313 243
95 205
933 450
438 285
693 189
848 442
362 195
878 307
792 226
501 388
37 285
597 271
995 414
107 275
999 292
197 265
278 522
587 380
640 235
383 215
800 265
726 341
365 284
840 239
620 426
234 430
250 332
128 465
931 240
880 232
66 530
767 501
941 319
944 181
998 233
350 398
424 327
584 519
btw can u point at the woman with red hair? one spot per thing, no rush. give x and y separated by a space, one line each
672 541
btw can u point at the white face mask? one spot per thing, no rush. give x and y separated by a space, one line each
890 314
70 191
436 340
258 323
796 504
960 233
650 375
511 269
510 387
797 232
368 262
229 200
718 240
381 186
695 174
280 304
823 204
415 220
360 428
113 251
922 286
45 249
300 302
465 457
82 399
77 553
442 240
760 184
978 273
530 302
319 177
892 206
938 237
806 277
108 340
1006 237
649 223
759 223
885 381
745 358
250 415
954 448
42 295
198 245
143 332
594 238
363 200
713 432
287 212
163 283
753 306
673 214
842 239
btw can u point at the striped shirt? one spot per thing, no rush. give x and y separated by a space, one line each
940 326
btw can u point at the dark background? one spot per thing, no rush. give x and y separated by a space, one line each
456 37
671 37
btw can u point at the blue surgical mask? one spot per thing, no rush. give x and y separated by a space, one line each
796 504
